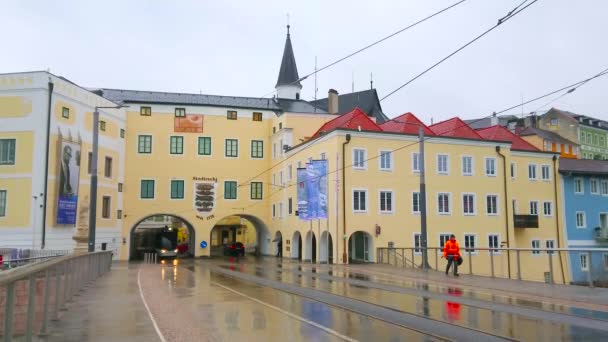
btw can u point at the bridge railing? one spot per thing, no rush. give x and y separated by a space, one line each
580 266
32 295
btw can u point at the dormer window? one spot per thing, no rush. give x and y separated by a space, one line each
297 96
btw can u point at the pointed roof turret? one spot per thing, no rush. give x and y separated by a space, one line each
288 74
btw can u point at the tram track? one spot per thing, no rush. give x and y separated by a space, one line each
437 329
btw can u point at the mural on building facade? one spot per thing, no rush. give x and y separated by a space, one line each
67 200
191 123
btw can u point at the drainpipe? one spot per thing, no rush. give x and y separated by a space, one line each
557 228
504 168
344 198
46 165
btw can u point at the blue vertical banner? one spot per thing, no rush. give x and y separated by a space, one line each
69 179
316 183
302 194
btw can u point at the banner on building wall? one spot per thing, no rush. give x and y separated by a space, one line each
191 123
302 194
316 183
69 177
204 195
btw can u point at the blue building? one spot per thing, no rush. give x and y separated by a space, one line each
585 191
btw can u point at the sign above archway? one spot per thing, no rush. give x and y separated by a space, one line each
204 196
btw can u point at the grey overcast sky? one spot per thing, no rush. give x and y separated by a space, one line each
235 48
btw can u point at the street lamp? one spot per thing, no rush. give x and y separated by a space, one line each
93 203
422 198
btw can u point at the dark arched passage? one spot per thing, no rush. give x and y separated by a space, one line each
145 232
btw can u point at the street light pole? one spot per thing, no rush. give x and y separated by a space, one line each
422 195
94 157
423 232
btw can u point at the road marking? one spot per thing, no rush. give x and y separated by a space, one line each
299 318
141 293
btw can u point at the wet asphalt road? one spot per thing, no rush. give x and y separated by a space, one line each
269 299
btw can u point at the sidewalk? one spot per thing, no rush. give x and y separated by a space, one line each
570 295
109 310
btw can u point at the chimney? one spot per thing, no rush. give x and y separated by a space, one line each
332 101
494 120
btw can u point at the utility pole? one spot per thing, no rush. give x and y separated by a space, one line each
423 232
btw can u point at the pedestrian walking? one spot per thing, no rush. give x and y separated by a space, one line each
451 252
280 249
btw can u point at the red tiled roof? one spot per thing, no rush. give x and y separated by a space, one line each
352 120
502 134
407 123
455 128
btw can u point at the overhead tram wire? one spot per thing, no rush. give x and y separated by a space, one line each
502 20
509 15
570 90
371 45
347 57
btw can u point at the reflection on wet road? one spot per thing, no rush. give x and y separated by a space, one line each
511 318
269 299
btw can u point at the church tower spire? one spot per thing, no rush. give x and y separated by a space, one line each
288 83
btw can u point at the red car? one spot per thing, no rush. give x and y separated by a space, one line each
234 249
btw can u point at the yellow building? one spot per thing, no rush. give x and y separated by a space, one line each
227 168
45 139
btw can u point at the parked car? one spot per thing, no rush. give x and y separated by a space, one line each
234 249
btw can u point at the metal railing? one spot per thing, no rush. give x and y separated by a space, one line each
579 266
15 257
32 295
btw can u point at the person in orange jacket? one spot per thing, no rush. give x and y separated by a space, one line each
451 251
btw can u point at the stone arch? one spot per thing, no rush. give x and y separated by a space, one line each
311 247
296 246
263 242
135 246
326 248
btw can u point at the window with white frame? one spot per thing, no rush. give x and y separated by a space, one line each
533 208
493 242
548 208
359 200
545 172
536 246
3 194
578 185
386 201
290 172
281 180
584 260
490 166
491 204
442 163
416 202
581 220
469 243
416 162
550 244
532 171
417 243
386 163
443 238
513 170
280 209
604 187
443 203
594 188
359 155
467 165
468 204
